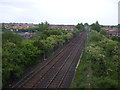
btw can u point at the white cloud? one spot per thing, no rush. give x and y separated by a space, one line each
59 11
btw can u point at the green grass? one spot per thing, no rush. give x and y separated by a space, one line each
80 80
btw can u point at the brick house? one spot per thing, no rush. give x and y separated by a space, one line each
18 26
63 27
113 33
22 26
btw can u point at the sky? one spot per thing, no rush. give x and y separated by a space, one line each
59 11
119 12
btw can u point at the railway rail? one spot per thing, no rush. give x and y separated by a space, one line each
57 72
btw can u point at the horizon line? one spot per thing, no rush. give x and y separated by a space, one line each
58 24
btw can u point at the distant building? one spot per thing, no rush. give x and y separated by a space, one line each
18 25
27 35
111 30
108 27
22 26
113 33
62 27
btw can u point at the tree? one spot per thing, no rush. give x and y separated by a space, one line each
18 54
11 37
110 47
80 26
115 38
43 26
86 24
15 58
3 27
94 37
96 26
103 32
118 26
46 25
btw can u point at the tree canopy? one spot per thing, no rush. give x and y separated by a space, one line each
96 26
80 26
43 26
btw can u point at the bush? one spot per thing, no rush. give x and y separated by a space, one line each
96 26
94 36
30 52
103 32
107 83
16 58
115 38
100 61
11 37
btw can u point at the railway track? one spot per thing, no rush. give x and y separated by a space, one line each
58 71
60 75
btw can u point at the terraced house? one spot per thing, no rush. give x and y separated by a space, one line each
63 27
113 32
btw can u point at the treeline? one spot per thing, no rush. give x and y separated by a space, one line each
18 54
95 26
100 64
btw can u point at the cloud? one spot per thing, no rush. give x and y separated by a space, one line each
59 11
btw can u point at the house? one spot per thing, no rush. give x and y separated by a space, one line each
62 27
22 26
108 27
18 25
113 33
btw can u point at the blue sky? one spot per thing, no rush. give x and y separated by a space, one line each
59 11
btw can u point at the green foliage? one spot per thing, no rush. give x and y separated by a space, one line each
30 52
86 24
11 37
11 58
95 37
43 45
50 39
96 26
52 32
80 27
43 26
103 32
29 29
115 38
96 55
57 40
19 54
107 83
110 47
118 26
16 57
2 27
99 66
